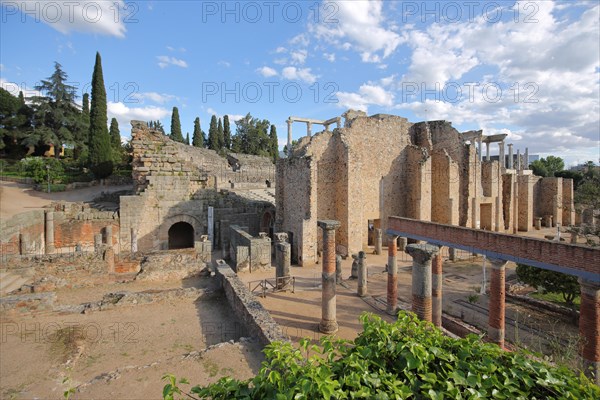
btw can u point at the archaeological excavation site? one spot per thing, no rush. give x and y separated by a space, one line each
202 259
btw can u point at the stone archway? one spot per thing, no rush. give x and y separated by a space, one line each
181 236
165 233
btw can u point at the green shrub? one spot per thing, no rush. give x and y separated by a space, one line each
405 359
36 168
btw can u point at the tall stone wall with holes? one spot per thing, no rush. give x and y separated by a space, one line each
383 165
175 183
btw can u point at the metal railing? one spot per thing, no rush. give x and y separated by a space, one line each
262 286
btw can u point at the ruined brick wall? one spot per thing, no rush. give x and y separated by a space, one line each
549 199
527 184
23 234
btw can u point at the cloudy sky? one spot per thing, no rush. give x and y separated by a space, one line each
529 69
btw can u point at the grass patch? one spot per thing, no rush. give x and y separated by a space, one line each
556 298
66 342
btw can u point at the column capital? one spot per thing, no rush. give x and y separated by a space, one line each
328 224
422 252
497 263
280 237
590 288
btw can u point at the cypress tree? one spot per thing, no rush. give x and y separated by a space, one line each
213 134
187 138
100 151
198 137
176 134
226 132
220 134
274 143
85 108
115 141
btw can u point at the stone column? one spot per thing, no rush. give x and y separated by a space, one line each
109 257
516 207
501 154
451 253
289 138
496 308
362 274
338 122
436 289
309 129
134 244
526 160
378 240
283 256
49 232
538 223
97 242
328 324
392 278
510 156
548 221
421 278
518 159
589 328
109 235
402 241
338 269
487 151
574 237
480 149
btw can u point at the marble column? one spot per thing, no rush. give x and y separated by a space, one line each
422 255
49 217
436 289
362 274
497 307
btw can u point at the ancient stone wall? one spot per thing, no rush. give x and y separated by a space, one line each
248 252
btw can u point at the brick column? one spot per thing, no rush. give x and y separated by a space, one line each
497 308
49 217
362 274
436 289
283 256
328 322
589 328
392 278
421 278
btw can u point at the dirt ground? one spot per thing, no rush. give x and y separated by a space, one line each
16 198
122 353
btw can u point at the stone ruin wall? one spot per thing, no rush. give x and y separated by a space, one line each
380 166
175 182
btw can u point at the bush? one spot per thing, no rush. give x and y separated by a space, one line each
549 281
405 359
36 168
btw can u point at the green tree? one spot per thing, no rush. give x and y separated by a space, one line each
220 134
157 125
548 166
285 147
115 139
15 123
252 136
57 120
198 136
213 134
187 138
176 134
226 132
274 143
549 281
100 149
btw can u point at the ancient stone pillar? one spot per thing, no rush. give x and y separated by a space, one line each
338 269
526 159
289 138
309 129
328 322
134 244
392 281
283 257
518 159
451 253
487 151
516 207
354 271
501 153
362 274
436 289
480 149
338 122
589 328
109 257
496 307
421 278
378 240
548 222
108 231
97 242
402 241
510 156
49 232
538 223
574 237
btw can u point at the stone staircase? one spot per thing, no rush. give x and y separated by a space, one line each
266 195
12 280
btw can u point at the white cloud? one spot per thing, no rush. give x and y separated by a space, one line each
298 56
360 25
367 95
125 114
225 64
301 39
303 74
329 57
86 16
14 88
160 98
232 117
267 72
280 50
165 61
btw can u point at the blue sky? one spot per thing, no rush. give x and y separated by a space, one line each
528 69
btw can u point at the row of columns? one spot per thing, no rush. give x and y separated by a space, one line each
427 278
520 164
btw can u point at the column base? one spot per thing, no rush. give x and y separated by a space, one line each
496 336
328 327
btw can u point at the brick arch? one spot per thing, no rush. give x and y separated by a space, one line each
163 233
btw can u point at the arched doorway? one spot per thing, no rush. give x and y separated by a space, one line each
181 236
